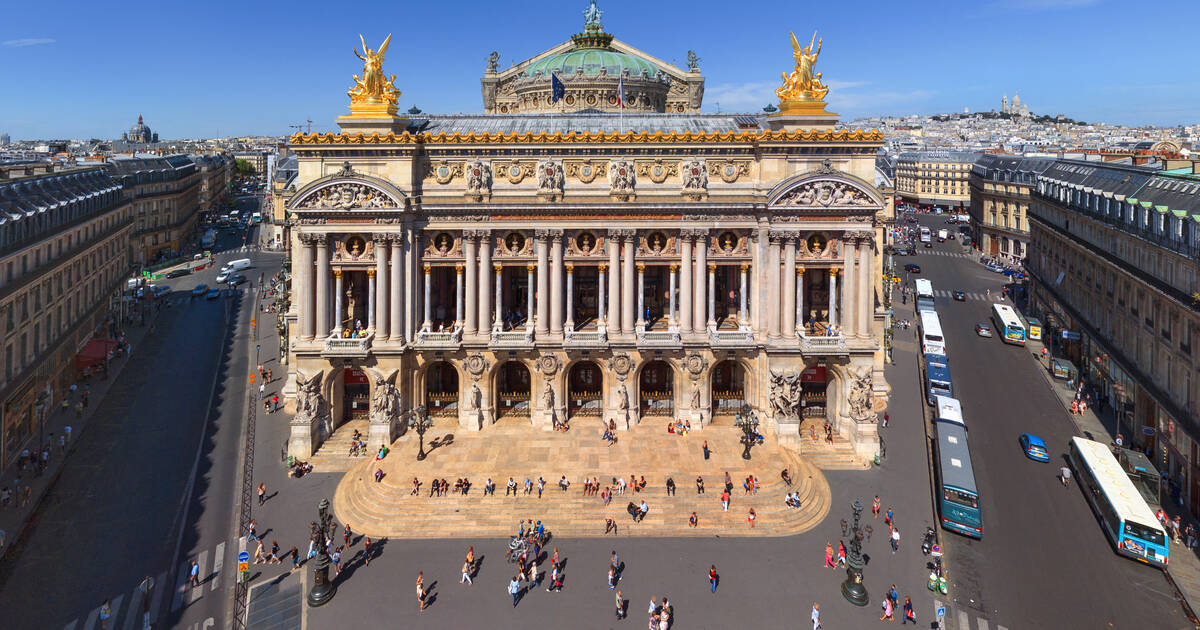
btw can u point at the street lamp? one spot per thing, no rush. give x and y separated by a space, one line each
748 423
419 421
853 589
323 588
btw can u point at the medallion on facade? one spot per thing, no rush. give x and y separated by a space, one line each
443 244
585 243
353 248
585 172
657 171
515 172
444 172
620 364
548 364
655 243
475 365
817 244
621 180
695 363
729 243
729 171
514 243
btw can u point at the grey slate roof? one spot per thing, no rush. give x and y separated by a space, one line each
1106 177
1011 168
140 170
1174 193
585 122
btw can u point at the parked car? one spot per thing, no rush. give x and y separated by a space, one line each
983 330
199 290
1034 448
159 289
237 279
912 268
179 273
213 294
960 296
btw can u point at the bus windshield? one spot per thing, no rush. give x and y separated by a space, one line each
1141 532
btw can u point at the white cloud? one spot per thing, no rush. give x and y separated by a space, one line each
29 41
741 97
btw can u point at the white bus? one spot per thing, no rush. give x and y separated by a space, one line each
950 410
924 295
1128 522
932 341
1008 325
925 235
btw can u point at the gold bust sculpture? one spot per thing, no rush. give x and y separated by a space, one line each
802 85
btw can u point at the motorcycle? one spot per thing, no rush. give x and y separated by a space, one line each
929 541
937 578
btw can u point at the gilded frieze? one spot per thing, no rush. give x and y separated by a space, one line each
575 137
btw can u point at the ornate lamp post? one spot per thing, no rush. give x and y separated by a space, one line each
323 588
853 589
419 420
748 423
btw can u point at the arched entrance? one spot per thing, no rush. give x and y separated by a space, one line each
814 383
441 390
512 390
656 390
585 395
728 389
356 395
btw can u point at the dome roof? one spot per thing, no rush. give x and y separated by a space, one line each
592 59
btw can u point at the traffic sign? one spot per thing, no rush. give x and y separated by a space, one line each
243 561
941 612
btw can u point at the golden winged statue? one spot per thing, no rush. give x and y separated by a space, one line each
374 86
803 84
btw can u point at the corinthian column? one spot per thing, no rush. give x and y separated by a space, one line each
337 303
866 282
685 282
427 324
773 281
370 299
498 323
529 280
570 323
671 309
789 287
470 253
305 302
396 290
382 295
699 280
485 283
641 295
458 296
833 301
613 296
628 249
556 282
800 297
712 295
322 310
846 316
543 282
742 323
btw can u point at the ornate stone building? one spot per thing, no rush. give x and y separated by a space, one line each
499 268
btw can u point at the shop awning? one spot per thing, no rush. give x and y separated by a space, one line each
95 352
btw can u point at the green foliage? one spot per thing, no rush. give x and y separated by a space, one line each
243 166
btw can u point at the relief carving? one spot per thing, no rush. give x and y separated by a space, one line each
479 180
550 179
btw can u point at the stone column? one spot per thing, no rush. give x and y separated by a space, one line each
498 322
322 308
758 242
412 248
556 282
614 282
712 295
773 281
458 296
846 317
641 295
337 303
628 248
671 309
699 303
742 323
601 297
396 291
685 282
800 298
543 282
427 322
305 302
530 274
570 323
865 284
789 287
485 277
833 297
470 253
382 299
370 299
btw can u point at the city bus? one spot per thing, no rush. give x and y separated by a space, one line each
926 235
937 378
924 295
1008 326
932 341
1131 527
958 497
949 410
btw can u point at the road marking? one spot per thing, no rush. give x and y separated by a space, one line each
198 591
71 626
983 625
160 584
135 606
180 586
90 622
218 564
964 622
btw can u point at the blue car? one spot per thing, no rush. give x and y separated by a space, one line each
1034 448
200 290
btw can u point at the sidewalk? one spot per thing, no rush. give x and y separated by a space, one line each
1184 567
15 519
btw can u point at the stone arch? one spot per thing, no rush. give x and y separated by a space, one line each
747 384
512 389
384 194
787 192
579 397
835 395
444 377
657 392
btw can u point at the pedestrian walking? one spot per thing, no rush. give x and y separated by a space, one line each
612 577
699 485
347 534
712 578
829 556
420 590
105 614
816 616
262 390
514 589
466 574
295 554
705 449
541 486
367 551
909 613
885 419
252 535
725 500
875 507
194 574
887 610
620 605
262 493
887 520
895 539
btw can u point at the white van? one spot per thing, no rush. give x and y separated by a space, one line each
236 265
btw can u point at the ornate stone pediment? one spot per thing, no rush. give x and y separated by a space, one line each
825 188
346 194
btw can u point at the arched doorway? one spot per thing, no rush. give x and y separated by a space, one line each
728 389
814 382
585 385
441 390
656 390
512 390
356 395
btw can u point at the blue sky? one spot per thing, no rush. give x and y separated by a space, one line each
87 69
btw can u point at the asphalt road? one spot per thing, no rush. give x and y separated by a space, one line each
1043 561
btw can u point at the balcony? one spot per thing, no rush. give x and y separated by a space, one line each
512 338
658 338
823 345
440 340
585 338
741 338
348 347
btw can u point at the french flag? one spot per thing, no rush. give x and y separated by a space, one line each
621 91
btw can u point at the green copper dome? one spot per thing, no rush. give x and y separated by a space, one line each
592 59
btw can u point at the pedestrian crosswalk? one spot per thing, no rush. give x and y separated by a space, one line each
940 252
958 619
167 595
948 293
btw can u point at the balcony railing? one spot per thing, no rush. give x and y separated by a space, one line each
512 338
354 347
429 338
658 338
727 338
577 338
823 345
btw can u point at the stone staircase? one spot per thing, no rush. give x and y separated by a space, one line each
334 454
839 455
388 509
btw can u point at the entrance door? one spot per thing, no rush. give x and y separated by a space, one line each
441 390
728 389
584 390
356 396
656 390
512 390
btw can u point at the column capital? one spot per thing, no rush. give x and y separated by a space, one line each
800 270
548 233
833 272
337 272
746 267
674 267
321 239
641 267
780 236
307 238
602 267
428 268
622 233
498 267
476 234
530 267
458 268
370 272
570 267
383 237
695 233
712 267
